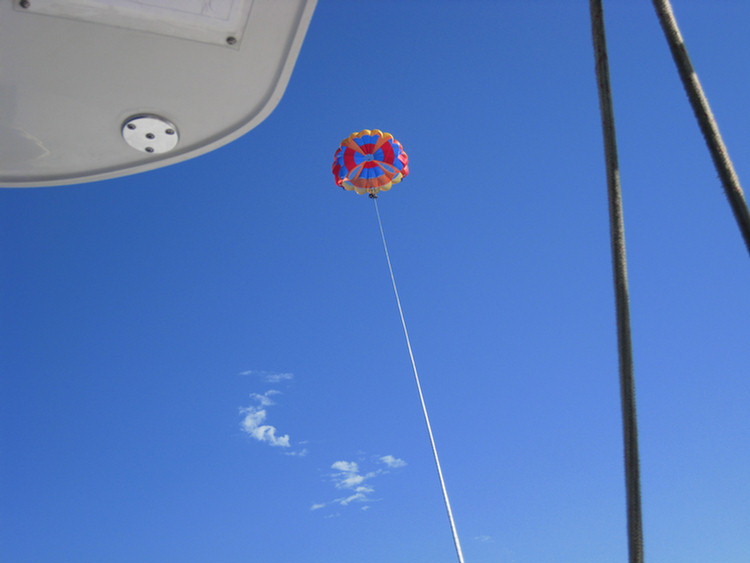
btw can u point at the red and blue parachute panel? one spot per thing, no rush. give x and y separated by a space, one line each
369 162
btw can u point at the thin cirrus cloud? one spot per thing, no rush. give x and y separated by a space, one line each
348 477
392 462
265 400
269 376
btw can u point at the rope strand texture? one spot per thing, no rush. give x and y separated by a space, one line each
456 542
705 118
619 266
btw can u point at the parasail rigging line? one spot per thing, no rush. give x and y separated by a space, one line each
620 274
456 541
705 118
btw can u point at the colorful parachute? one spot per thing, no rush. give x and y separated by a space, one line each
369 162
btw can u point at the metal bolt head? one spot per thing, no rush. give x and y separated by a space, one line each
24 4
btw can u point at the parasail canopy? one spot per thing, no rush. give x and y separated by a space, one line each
369 162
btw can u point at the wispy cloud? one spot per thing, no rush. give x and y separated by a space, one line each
348 477
254 417
483 538
265 400
269 376
392 462
253 425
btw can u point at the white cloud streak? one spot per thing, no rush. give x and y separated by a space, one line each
254 418
392 462
359 497
253 425
348 477
264 400
269 376
345 466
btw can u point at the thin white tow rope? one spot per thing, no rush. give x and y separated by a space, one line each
419 388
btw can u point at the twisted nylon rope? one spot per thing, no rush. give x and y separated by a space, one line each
619 266
456 542
705 117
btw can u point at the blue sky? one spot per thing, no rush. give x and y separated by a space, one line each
205 362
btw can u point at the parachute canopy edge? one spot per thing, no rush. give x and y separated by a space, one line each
369 161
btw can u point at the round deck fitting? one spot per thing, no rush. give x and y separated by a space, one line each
150 133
